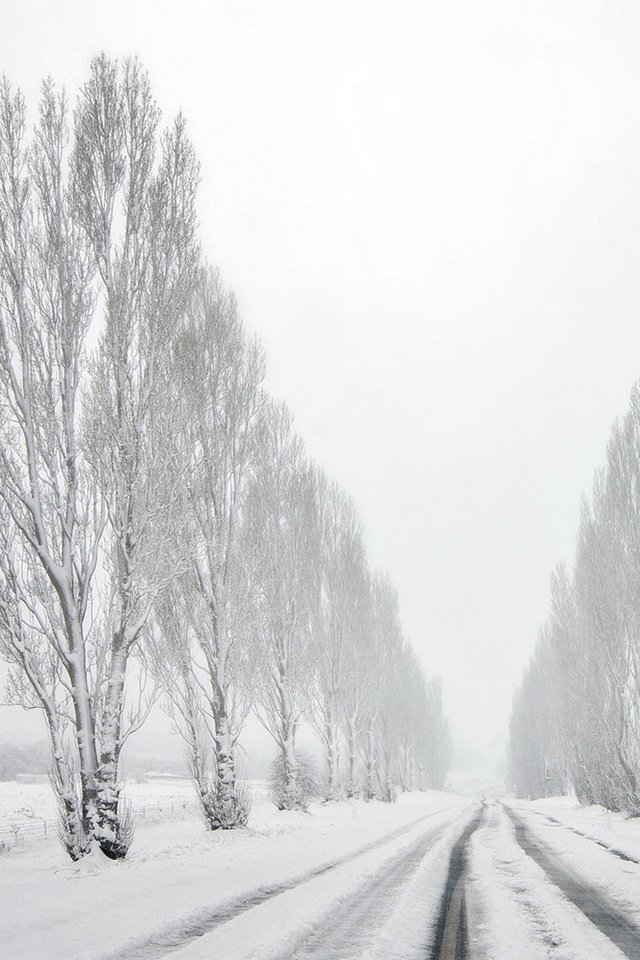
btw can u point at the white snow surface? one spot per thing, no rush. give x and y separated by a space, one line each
412 923
617 831
163 900
616 880
176 872
24 803
516 913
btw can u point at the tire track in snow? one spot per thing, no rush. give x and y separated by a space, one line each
346 932
178 934
450 937
587 898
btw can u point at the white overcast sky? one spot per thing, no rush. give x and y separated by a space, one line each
430 213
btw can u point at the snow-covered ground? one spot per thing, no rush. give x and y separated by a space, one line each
515 909
566 894
28 814
617 831
179 880
346 880
28 802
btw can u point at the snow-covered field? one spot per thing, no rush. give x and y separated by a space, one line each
28 814
29 801
181 882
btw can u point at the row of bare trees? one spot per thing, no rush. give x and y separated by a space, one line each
273 607
576 716
161 525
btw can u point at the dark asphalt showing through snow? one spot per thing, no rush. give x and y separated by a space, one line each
178 934
347 932
451 936
584 895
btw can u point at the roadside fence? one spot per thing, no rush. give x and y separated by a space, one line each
30 830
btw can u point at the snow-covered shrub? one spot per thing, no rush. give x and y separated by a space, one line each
71 831
225 809
76 836
295 791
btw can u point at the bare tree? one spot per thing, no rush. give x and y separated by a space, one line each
433 737
139 217
357 667
220 373
95 239
336 627
283 516
155 508
589 650
414 731
378 741
53 516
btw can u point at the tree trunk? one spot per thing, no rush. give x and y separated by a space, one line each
85 739
231 810
291 794
72 834
351 758
333 755
370 787
113 836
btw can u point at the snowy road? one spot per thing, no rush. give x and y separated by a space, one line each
509 890
433 877
451 934
592 901
345 909
537 889
487 883
305 886
360 920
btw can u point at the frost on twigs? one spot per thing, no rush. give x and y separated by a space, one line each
160 520
98 255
